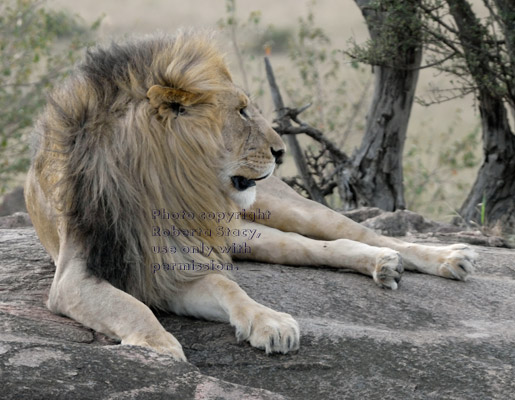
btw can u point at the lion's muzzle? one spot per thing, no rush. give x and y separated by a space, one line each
241 183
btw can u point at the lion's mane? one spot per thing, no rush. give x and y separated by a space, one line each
110 158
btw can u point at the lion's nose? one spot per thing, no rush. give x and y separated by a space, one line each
278 155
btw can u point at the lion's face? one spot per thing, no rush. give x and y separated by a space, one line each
253 147
247 147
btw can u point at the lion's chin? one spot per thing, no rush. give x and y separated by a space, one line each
244 198
243 190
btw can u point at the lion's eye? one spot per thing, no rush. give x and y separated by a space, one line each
243 113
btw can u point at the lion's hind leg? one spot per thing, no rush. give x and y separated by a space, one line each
100 306
216 297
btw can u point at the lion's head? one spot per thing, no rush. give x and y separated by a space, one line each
251 148
151 124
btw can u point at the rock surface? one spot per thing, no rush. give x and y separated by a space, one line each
431 339
13 202
16 220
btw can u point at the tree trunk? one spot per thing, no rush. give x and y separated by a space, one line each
506 14
494 187
378 179
495 181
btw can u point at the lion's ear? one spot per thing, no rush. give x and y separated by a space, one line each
166 98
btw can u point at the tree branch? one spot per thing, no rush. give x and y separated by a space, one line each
284 123
319 137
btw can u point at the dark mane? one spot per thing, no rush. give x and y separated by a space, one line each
113 145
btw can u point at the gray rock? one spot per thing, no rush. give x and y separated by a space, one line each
405 222
431 339
13 202
400 222
363 213
17 220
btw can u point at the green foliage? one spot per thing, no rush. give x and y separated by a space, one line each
38 47
395 28
327 82
235 27
479 58
316 65
272 38
437 178
256 38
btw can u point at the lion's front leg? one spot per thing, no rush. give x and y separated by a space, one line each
215 297
100 306
455 261
291 212
278 247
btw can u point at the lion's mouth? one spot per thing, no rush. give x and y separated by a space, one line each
241 183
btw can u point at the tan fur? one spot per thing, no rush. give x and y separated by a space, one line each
169 130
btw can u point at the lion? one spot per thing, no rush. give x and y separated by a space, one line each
141 141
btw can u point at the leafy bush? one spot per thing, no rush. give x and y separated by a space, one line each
436 178
38 48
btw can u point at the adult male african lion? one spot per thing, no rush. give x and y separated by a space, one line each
139 150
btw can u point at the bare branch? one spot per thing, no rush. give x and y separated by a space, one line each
295 183
319 137
300 161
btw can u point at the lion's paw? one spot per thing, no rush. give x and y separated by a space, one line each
388 269
458 262
162 342
264 328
